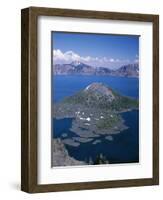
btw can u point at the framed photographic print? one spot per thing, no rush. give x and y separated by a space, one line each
90 100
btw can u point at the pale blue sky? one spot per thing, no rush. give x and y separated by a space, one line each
109 50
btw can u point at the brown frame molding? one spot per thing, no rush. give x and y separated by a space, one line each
29 98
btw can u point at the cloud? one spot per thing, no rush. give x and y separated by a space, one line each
136 59
111 60
69 56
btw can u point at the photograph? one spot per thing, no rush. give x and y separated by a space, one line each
95 99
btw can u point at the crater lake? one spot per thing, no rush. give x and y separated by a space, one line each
122 147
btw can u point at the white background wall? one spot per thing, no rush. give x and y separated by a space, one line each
10 98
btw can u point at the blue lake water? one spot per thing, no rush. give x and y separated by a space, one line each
124 148
68 85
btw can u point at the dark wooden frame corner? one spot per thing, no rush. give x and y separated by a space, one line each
29 98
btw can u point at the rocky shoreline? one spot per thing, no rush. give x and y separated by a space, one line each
60 156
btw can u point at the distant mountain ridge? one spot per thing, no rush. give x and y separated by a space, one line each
131 70
79 68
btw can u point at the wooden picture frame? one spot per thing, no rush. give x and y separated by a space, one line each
29 173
